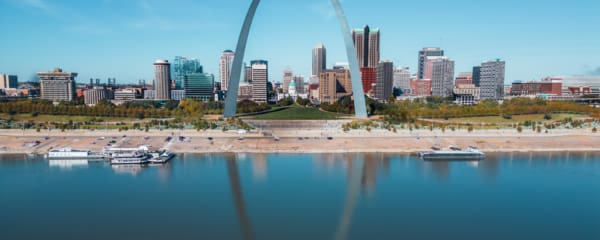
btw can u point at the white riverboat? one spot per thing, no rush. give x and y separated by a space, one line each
129 158
69 153
162 156
452 153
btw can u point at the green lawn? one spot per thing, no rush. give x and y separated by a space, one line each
297 113
515 119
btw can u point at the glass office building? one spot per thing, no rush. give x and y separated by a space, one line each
199 86
183 66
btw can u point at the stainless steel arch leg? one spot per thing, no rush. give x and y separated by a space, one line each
236 68
236 71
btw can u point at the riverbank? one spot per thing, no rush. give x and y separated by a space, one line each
304 141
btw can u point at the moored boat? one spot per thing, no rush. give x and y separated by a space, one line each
453 153
162 156
69 153
130 158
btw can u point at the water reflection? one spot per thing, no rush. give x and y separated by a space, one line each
340 196
68 164
238 196
133 169
355 181
260 167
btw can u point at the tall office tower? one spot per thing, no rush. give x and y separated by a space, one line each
260 77
423 54
334 84
299 81
366 43
247 73
183 66
8 81
384 87
288 76
225 68
319 59
492 80
162 80
369 77
442 78
402 78
476 75
199 86
57 85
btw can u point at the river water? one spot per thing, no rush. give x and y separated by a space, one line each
303 196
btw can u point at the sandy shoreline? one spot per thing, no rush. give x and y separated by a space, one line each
307 141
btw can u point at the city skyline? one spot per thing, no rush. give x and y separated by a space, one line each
127 37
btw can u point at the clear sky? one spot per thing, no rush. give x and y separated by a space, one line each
122 38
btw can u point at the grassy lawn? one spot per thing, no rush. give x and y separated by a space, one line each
297 113
60 118
515 118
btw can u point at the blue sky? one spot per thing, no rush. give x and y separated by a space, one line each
122 38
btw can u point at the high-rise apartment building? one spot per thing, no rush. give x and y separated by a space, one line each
225 63
366 43
162 80
199 86
8 81
334 84
423 54
260 77
384 86
288 76
402 78
442 79
492 80
319 59
476 76
57 85
183 66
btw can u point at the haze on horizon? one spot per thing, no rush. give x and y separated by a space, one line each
121 39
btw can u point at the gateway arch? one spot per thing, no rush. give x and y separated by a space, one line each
236 71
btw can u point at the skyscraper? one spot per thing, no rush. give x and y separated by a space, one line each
260 77
492 80
162 80
402 78
199 86
225 68
476 75
57 85
423 54
366 43
288 75
319 59
384 87
183 66
442 79
299 81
